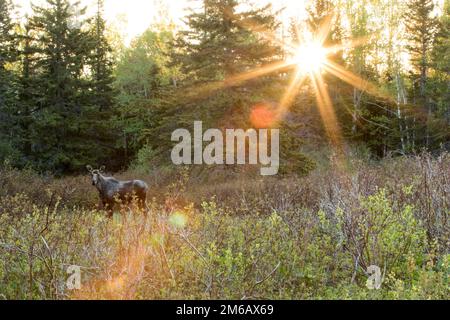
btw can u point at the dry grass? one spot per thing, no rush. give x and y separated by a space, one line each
297 238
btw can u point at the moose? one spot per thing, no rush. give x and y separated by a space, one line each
112 190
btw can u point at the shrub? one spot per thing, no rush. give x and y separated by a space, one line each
304 238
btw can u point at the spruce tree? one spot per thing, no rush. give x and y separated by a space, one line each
101 63
221 41
441 64
98 122
62 136
8 83
31 91
421 27
7 50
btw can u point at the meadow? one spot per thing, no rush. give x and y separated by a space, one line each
356 91
237 237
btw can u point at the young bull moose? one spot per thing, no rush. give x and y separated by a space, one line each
111 190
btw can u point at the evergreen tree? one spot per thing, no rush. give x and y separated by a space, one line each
31 91
8 88
62 130
7 52
99 121
441 64
421 28
101 63
222 41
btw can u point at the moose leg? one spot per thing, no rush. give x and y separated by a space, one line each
108 206
110 213
142 202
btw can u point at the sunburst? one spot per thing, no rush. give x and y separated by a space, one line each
310 59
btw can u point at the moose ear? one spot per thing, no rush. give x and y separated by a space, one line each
89 168
102 168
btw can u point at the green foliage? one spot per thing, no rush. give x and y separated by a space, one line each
36 250
64 93
301 244
219 44
68 96
143 74
8 83
222 41
441 64
421 27
292 160
146 160
382 234
145 67
101 63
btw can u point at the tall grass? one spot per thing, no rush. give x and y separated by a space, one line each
298 238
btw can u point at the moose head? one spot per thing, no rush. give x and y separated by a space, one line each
95 173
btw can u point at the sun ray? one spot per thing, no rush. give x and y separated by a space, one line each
324 30
257 72
348 44
327 113
354 80
291 91
260 30
310 58
208 89
297 33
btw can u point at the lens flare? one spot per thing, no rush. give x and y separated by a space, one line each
262 117
308 57
178 220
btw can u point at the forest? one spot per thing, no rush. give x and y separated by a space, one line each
358 89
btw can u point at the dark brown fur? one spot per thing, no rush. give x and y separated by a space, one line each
112 190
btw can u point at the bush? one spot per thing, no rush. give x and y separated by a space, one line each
303 238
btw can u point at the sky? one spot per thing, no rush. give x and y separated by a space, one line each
134 16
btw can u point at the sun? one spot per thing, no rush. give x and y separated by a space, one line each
310 57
